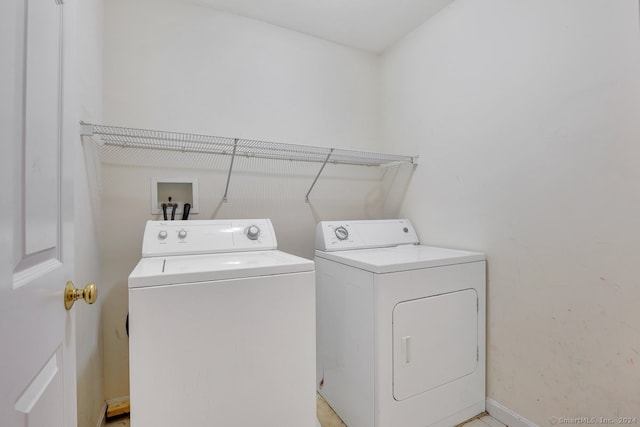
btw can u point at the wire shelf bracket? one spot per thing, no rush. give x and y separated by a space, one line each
234 147
306 196
233 156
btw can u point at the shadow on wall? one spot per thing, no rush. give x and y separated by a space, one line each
91 153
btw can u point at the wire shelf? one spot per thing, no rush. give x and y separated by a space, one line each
206 144
194 143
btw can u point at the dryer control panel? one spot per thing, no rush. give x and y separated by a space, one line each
345 235
162 238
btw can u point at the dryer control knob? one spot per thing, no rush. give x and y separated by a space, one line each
342 233
182 234
162 235
253 232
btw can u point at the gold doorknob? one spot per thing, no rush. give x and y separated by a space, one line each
71 294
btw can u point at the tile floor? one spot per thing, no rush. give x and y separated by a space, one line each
484 421
328 418
119 421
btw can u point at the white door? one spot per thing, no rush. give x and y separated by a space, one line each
435 341
37 347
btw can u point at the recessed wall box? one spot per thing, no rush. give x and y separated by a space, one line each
180 190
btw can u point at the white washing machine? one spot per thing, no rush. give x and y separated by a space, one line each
400 326
222 328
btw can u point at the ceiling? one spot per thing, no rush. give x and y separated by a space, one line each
371 25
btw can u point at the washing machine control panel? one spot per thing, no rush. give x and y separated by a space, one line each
163 238
345 235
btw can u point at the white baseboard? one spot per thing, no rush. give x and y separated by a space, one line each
102 419
506 416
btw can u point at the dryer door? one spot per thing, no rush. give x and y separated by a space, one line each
435 341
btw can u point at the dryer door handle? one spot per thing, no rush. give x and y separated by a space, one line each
405 344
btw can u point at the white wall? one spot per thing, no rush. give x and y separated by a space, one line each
86 94
525 115
178 66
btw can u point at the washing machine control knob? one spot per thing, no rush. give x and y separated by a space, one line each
162 234
182 234
253 232
342 233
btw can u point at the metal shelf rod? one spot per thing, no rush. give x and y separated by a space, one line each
306 197
233 156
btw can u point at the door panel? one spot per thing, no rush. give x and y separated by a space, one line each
435 341
38 351
42 125
38 403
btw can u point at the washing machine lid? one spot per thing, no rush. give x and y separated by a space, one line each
400 258
181 269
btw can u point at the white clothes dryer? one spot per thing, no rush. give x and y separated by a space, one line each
222 328
400 326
